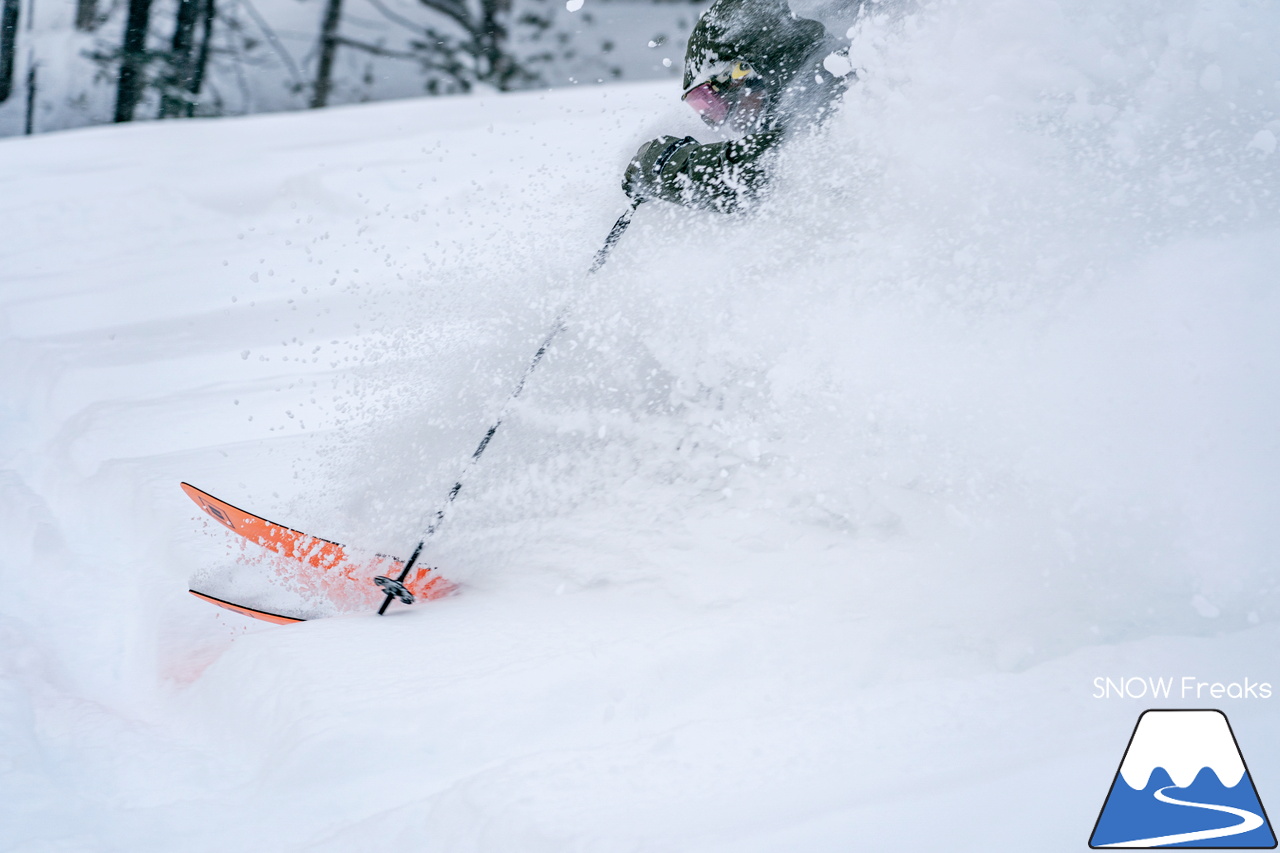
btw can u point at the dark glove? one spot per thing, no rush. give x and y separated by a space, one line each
652 172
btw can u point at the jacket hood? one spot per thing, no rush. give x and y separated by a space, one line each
763 33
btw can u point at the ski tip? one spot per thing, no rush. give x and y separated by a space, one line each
251 612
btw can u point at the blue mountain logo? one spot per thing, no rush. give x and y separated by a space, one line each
1183 783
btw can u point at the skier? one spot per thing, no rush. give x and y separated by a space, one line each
754 69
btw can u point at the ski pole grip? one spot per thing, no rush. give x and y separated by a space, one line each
669 152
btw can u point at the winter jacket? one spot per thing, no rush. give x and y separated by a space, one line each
787 52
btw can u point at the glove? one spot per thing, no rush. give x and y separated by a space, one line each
646 173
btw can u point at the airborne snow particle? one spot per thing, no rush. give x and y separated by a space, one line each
1264 141
1205 607
837 65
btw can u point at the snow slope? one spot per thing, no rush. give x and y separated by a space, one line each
812 533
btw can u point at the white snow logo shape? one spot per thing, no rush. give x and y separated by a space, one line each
1183 783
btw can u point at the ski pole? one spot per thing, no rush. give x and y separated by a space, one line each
394 587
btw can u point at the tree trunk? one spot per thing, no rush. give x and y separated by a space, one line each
496 66
202 58
8 46
133 59
86 15
30 125
328 47
181 67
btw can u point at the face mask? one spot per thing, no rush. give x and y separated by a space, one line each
732 92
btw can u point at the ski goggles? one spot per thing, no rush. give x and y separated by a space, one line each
715 99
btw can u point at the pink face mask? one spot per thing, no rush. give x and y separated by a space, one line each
709 103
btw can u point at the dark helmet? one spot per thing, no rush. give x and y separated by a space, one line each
761 34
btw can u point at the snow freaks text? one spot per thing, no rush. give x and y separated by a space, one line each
1186 687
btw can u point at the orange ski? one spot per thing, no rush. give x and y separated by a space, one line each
264 615
320 564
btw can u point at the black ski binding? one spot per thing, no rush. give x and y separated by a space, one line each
393 587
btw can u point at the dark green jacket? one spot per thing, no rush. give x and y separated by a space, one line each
787 52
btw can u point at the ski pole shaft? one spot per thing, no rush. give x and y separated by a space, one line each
615 234
557 327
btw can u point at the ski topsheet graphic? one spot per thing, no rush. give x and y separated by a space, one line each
1183 783
320 566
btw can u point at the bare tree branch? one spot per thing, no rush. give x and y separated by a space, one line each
396 17
376 50
274 41
455 11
